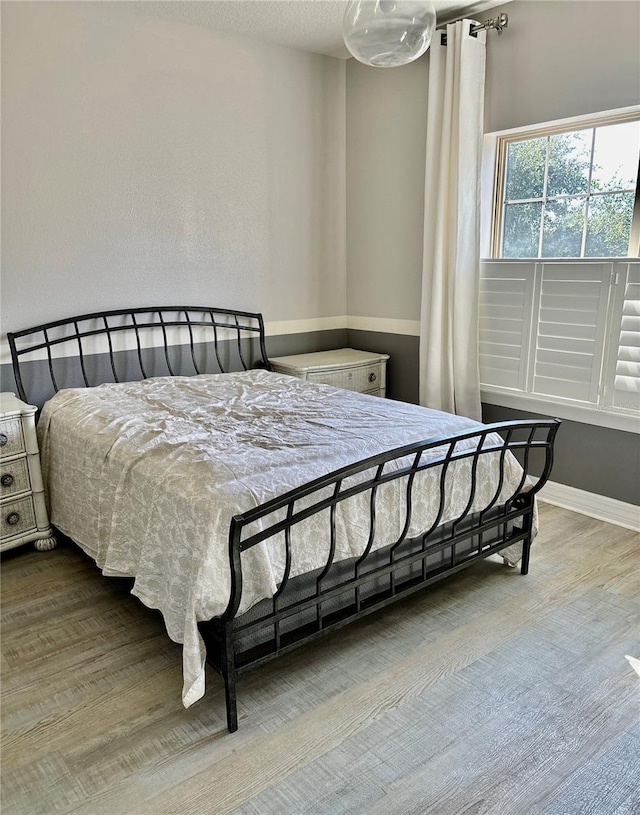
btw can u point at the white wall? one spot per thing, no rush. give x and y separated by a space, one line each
562 58
147 162
386 133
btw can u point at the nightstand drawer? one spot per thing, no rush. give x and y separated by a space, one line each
11 436
362 378
14 477
17 517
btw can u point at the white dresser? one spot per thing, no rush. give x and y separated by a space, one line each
361 371
24 512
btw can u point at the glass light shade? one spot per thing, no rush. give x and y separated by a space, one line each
387 33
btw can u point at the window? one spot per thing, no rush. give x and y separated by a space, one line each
568 194
560 297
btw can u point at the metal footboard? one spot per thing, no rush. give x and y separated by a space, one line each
304 608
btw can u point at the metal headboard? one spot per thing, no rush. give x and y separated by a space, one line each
137 343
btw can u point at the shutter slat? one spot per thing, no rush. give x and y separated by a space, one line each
502 284
497 350
500 363
577 332
628 384
500 337
555 357
566 374
628 353
582 303
566 344
493 312
567 288
562 317
575 272
506 299
566 390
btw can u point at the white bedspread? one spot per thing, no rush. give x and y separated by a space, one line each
146 476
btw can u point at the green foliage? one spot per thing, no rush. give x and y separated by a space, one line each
609 225
525 169
566 158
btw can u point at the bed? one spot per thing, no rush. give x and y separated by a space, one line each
257 511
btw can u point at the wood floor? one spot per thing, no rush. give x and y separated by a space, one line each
490 693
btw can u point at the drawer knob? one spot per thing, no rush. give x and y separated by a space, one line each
3 439
7 480
372 377
13 518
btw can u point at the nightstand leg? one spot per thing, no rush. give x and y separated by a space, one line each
45 544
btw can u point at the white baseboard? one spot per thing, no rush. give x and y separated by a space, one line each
595 506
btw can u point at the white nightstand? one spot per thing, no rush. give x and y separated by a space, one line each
23 516
345 368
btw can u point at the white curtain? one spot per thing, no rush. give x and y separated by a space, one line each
449 314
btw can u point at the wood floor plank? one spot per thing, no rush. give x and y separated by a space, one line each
610 782
32 742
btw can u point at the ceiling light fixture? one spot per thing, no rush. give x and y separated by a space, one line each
388 33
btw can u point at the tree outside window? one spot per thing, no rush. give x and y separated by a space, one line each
570 194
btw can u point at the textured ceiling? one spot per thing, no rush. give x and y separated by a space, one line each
311 25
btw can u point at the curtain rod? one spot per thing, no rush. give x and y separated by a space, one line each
498 23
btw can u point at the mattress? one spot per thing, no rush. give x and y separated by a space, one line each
146 476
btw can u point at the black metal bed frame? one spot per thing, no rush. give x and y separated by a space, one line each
307 607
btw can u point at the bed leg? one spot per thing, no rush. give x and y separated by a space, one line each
229 676
230 700
524 563
527 526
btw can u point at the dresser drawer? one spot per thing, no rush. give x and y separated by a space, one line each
14 477
362 378
11 436
18 516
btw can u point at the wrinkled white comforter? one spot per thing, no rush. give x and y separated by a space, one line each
145 477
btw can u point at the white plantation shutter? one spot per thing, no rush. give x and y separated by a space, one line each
506 291
626 335
566 330
569 330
